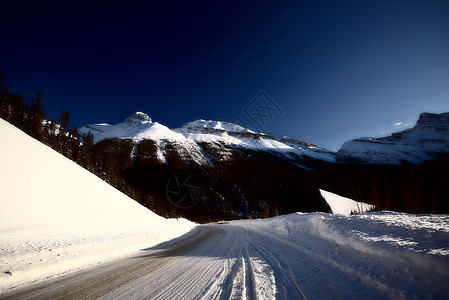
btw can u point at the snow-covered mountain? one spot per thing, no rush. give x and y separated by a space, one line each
139 126
223 136
427 140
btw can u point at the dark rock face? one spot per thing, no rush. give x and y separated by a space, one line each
436 120
237 182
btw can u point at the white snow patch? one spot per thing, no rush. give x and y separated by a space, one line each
344 206
208 125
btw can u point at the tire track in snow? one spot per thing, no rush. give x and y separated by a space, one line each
233 286
250 285
290 289
226 266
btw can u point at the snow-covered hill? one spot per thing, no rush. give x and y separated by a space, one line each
427 140
56 217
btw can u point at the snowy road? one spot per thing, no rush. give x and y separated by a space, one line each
303 256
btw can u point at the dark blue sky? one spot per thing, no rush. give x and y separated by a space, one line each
337 69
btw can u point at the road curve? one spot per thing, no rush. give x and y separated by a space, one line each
244 260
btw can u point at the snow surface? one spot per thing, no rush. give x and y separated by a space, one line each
344 206
381 255
247 142
56 217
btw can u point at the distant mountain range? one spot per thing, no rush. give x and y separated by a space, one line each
427 140
247 174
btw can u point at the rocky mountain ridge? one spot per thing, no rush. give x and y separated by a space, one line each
427 140
193 137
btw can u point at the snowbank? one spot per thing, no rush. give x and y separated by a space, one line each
56 217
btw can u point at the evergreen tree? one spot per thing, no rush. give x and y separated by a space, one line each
65 117
74 144
18 111
36 118
38 109
5 104
74 132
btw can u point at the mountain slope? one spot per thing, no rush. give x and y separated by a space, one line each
57 217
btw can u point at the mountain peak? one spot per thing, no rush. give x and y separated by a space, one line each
137 119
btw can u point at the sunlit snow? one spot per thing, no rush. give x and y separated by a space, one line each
344 206
140 126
